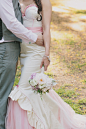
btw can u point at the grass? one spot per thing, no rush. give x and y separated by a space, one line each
49 74
18 74
80 12
84 81
69 96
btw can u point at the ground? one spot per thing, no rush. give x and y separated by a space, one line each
68 52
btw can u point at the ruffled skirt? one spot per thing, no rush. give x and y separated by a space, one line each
18 117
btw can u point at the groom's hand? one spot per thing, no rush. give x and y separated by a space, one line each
40 40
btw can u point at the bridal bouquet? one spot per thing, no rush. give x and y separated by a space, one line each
41 83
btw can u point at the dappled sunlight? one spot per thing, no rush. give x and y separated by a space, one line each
80 26
73 20
55 9
61 35
77 4
83 18
56 35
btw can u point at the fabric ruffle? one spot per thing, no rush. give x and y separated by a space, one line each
24 103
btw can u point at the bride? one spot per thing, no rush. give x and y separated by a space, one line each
26 110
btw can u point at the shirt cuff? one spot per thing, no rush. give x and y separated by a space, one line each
33 38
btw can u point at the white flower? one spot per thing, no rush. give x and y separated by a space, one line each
49 82
45 89
41 78
42 86
33 82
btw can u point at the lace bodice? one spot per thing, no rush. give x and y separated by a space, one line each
30 16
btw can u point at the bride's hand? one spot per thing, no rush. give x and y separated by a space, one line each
45 62
40 40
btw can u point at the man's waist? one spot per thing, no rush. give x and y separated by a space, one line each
2 40
6 41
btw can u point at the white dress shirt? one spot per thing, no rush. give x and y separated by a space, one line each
7 15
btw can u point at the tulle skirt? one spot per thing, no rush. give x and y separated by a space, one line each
17 117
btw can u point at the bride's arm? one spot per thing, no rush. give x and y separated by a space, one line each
46 14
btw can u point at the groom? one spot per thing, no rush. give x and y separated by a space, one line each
12 32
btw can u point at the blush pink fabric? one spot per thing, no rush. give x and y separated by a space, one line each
17 118
35 29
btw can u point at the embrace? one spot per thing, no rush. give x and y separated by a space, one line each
25 31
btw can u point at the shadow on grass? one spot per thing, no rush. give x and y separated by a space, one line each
58 19
71 50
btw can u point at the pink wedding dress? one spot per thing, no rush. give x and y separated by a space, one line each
26 110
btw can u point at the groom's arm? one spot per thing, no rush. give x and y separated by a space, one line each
8 17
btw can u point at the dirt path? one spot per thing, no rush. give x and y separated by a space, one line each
68 46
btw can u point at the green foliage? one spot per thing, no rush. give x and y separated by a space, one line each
69 96
50 74
18 74
80 11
